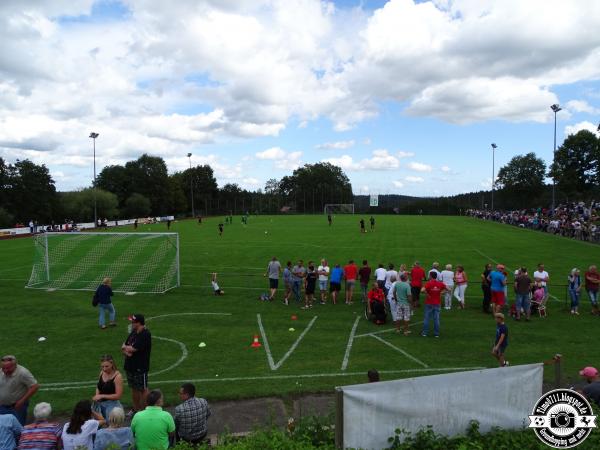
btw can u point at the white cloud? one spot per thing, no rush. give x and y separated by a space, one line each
291 161
381 160
271 153
581 106
419 167
412 179
398 184
486 183
445 169
585 125
403 154
367 141
339 145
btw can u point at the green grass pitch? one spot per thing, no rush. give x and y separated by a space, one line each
67 362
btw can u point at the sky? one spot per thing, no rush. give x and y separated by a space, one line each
406 96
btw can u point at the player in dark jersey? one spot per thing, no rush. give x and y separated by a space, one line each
362 226
329 219
220 229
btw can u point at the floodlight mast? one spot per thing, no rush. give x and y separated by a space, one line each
93 136
494 147
189 155
555 108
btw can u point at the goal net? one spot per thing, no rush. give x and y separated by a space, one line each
136 262
339 208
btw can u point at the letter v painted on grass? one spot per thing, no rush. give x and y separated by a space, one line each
272 363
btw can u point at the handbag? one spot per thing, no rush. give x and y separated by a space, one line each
95 300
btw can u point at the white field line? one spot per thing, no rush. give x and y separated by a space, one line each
189 314
272 364
90 384
184 355
486 256
349 345
388 330
265 343
398 349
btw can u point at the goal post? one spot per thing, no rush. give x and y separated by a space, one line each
136 262
339 208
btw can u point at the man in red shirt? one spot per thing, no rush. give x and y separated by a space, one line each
417 275
350 274
434 290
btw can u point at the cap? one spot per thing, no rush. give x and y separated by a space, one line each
6 358
589 372
138 318
499 316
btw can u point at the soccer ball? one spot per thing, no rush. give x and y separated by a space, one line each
266 232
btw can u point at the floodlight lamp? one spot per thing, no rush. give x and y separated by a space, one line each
94 135
556 107
494 145
189 155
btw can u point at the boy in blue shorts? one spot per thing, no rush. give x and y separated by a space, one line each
501 340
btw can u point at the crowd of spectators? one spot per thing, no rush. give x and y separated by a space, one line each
573 220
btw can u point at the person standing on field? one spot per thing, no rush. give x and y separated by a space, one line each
17 386
434 290
486 288
447 277
372 222
390 273
273 271
364 275
137 348
380 274
402 296
592 285
104 293
287 280
522 290
362 226
298 275
501 341
417 275
323 272
335 282
497 281
350 274
461 280
542 277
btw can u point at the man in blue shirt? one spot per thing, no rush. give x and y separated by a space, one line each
497 281
10 430
335 282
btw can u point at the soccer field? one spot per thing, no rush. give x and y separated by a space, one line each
331 345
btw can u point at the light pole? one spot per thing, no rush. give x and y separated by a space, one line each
93 136
556 108
494 147
191 185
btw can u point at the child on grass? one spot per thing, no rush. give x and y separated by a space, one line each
501 340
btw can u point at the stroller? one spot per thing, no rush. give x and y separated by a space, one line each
538 300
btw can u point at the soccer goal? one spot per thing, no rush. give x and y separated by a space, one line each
136 262
339 208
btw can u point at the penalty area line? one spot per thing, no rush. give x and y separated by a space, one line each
87 385
349 345
398 349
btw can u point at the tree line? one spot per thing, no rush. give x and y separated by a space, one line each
143 187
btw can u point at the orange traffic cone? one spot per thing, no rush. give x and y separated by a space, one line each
255 343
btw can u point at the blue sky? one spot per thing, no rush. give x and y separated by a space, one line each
405 96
